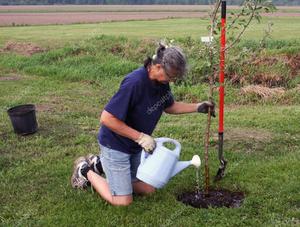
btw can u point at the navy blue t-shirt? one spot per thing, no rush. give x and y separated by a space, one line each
139 103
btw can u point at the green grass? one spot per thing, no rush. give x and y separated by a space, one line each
35 170
285 28
70 86
104 57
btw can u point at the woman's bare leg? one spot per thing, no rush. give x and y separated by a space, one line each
143 188
101 186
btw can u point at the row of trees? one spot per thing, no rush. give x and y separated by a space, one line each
131 2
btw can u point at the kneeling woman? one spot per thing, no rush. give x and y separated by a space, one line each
128 121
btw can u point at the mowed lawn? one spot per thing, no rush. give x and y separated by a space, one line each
262 145
284 28
262 141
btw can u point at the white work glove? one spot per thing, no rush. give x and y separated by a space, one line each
146 142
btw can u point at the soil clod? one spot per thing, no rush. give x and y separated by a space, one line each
215 198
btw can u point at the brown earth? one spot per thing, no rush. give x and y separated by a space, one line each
105 8
26 49
122 8
214 199
88 17
69 14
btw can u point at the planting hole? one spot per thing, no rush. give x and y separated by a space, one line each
214 198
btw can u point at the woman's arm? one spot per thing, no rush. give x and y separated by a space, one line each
118 126
180 108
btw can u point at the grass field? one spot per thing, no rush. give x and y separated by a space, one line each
262 145
71 83
285 28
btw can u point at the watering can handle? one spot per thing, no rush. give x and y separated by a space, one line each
160 142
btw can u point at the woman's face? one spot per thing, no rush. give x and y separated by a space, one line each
158 73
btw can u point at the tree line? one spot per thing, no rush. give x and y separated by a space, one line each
131 2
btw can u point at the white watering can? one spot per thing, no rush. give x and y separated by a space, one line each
158 168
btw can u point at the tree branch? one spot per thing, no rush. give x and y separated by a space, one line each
213 17
244 28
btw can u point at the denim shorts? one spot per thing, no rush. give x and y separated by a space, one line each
120 169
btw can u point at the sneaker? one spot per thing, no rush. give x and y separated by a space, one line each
77 179
95 163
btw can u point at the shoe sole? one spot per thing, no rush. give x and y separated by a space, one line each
74 174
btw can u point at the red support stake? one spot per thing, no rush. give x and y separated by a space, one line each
223 162
222 67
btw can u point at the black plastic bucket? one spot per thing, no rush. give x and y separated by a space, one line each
23 119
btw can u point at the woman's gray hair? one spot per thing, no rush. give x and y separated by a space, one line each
172 60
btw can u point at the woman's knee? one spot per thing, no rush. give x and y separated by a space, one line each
143 188
121 200
149 189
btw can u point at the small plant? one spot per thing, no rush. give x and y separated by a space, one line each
240 21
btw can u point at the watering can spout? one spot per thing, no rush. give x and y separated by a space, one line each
180 166
183 164
196 161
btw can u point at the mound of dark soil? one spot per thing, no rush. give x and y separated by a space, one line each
215 198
